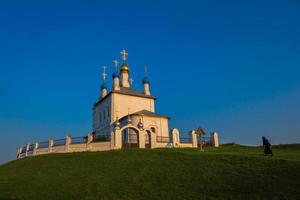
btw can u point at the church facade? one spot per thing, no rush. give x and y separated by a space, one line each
125 106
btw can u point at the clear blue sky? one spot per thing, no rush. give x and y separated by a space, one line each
229 66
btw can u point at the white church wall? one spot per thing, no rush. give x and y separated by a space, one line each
102 116
121 103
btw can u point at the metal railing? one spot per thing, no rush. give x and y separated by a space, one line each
79 140
185 140
206 140
163 139
31 147
60 142
44 144
98 138
24 149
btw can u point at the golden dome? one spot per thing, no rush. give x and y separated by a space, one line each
124 67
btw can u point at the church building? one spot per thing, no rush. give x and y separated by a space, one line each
123 105
123 117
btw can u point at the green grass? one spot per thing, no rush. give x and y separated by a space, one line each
229 172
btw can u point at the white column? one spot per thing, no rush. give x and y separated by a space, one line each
125 79
175 137
117 138
141 135
36 146
20 151
51 143
194 139
116 84
152 140
68 142
89 142
27 149
146 89
215 139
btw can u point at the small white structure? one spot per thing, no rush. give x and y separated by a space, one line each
122 118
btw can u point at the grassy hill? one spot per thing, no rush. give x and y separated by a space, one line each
229 172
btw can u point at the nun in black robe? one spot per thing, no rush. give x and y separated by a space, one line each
267 146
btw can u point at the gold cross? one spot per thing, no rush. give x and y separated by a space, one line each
124 54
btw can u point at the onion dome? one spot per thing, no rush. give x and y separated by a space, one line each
103 86
115 74
146 80
124 68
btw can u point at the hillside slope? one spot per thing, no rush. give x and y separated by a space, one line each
229 172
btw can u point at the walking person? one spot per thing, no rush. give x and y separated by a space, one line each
267 146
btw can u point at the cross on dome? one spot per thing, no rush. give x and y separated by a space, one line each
124 54
116 62
131 81
104 73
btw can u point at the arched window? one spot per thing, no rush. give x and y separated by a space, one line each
153 129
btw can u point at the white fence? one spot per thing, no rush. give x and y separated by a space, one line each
109 142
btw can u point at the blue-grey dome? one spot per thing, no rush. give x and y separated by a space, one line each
146 80
103 86
115 74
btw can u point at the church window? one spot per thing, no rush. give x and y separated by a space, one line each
100 116
153 129
104 115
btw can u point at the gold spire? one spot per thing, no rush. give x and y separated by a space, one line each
124 66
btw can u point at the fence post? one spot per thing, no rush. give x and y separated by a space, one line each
20 151
27 149
117 138
193 136
175 137
51 143
36 146
214 139
90 138
89 141
152 140
68 142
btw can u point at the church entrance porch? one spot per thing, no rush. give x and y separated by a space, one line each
130 138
